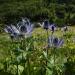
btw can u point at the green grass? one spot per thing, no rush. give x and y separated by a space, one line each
5 41
36 54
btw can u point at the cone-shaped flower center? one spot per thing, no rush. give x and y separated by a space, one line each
52 28
55 41
23 29
46 23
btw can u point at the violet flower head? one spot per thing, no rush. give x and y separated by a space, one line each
55 42
13 31
52 27
25 27
46 24
65 28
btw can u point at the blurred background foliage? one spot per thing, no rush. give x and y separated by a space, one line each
58 11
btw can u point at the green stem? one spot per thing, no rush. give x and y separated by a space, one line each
54 63
17 68
11 56
54 58
47 51
28 66
22 56
47 42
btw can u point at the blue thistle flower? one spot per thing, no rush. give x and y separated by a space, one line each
65 28
46 24
23 27
55 42
52 27
11 30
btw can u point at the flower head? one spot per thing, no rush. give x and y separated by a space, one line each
13 31
65 28
23 27
46 24
52 27
55 42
